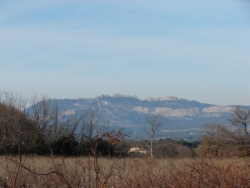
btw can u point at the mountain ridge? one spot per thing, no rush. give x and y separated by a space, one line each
185 117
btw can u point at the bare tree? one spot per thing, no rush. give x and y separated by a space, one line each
16 130
155 124
222 140
241 119
95 138
217 141
91 128
43 115
91 131
51 125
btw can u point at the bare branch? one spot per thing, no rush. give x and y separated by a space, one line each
155 123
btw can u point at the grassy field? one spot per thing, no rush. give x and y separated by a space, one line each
35 171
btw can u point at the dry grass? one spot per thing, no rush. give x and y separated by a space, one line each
89 172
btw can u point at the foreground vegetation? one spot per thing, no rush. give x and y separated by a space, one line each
90 172
43 148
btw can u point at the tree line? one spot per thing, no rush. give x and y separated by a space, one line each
43 130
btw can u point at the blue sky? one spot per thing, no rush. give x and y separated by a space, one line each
198 50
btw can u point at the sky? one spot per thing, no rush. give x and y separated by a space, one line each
196 50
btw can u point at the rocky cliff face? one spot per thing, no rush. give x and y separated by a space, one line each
185 117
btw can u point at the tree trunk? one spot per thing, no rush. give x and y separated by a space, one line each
151 148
